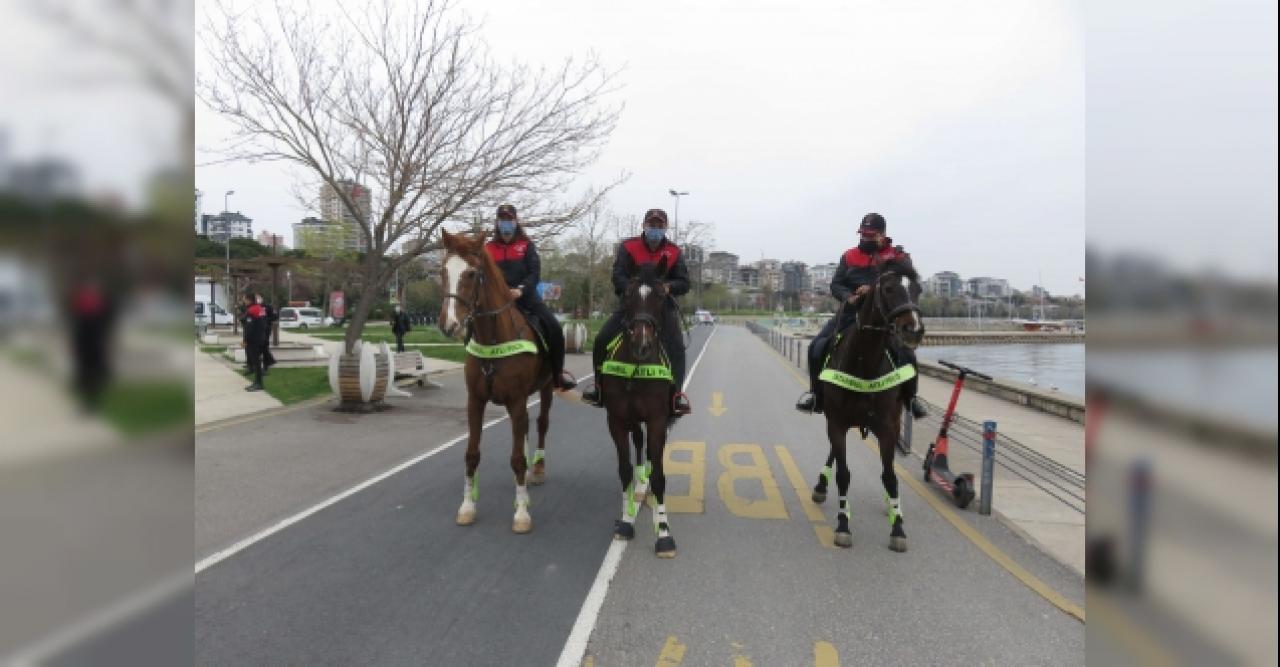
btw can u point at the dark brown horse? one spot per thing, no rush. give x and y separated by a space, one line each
478 307
637 398
886 314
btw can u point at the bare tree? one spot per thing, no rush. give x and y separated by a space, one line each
402 98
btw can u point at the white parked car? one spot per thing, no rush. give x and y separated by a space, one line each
212 314
301 318
703 317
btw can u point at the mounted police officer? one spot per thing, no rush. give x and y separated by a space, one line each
648 248
517 258
855 277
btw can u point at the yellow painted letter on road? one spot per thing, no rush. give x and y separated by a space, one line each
694 467
770 507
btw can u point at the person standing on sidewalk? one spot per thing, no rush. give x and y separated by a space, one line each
400 327
268 359
255 335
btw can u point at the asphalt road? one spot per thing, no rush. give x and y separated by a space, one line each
383 576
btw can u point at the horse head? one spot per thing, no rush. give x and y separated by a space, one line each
893 304
462 280
643 304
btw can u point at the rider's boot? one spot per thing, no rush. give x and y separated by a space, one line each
564 380
810 401
913 403
591 396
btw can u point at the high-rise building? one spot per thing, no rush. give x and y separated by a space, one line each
820 276
272 240
946 284
722 268
334 209
219 227
320 238
984 287
795 277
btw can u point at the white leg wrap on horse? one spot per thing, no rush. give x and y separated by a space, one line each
844 507
470 493
522 502
895 508
660 522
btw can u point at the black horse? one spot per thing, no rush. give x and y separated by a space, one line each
636 381
863 383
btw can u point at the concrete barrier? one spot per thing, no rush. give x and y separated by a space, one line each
1067 407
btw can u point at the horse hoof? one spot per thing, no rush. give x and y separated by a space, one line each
466 518
521 526
623 530
898 544
665 547
536 479
844 540
819 496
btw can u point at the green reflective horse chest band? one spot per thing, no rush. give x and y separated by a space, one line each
886 381
508 349
636 371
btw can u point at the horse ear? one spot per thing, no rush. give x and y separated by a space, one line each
446 239
630 266
662 267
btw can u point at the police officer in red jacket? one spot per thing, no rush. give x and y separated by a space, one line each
854 277
517 258
648 248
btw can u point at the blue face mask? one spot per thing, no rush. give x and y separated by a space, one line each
506 227
654 235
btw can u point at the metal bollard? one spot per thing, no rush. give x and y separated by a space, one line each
1139 521
988 466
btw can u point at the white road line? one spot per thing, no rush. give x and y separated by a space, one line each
575 647
223 554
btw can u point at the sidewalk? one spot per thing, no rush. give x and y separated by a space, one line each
1054 527
39 419
220 392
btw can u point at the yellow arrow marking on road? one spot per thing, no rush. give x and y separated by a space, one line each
717 404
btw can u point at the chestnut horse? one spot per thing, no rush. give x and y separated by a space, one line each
860 357
503 365
636 383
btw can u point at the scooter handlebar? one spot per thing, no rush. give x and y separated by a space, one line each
962 369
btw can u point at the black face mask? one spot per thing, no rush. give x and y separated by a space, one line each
868 246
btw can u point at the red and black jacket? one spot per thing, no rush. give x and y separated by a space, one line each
677 273
858 268
518 261
256 326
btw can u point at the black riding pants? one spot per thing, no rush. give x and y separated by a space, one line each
672 342
551 329
253 353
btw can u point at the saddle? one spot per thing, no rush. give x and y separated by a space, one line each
539 328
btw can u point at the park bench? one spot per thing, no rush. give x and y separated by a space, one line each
413 364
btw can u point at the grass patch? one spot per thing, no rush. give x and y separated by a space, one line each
136 408
213 349
294 385
448 353
420 335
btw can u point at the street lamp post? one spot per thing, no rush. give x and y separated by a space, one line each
675 232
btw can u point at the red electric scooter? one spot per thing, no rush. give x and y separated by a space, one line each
960 487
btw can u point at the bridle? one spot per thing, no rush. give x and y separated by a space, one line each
632 321
890 319
473 306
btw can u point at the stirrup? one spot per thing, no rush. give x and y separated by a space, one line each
676 407
917 408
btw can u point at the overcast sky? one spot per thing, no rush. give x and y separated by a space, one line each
786 122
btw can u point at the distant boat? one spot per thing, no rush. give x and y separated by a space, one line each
1043 325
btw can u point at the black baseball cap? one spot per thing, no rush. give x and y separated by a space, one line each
655 215
506 211
872 222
